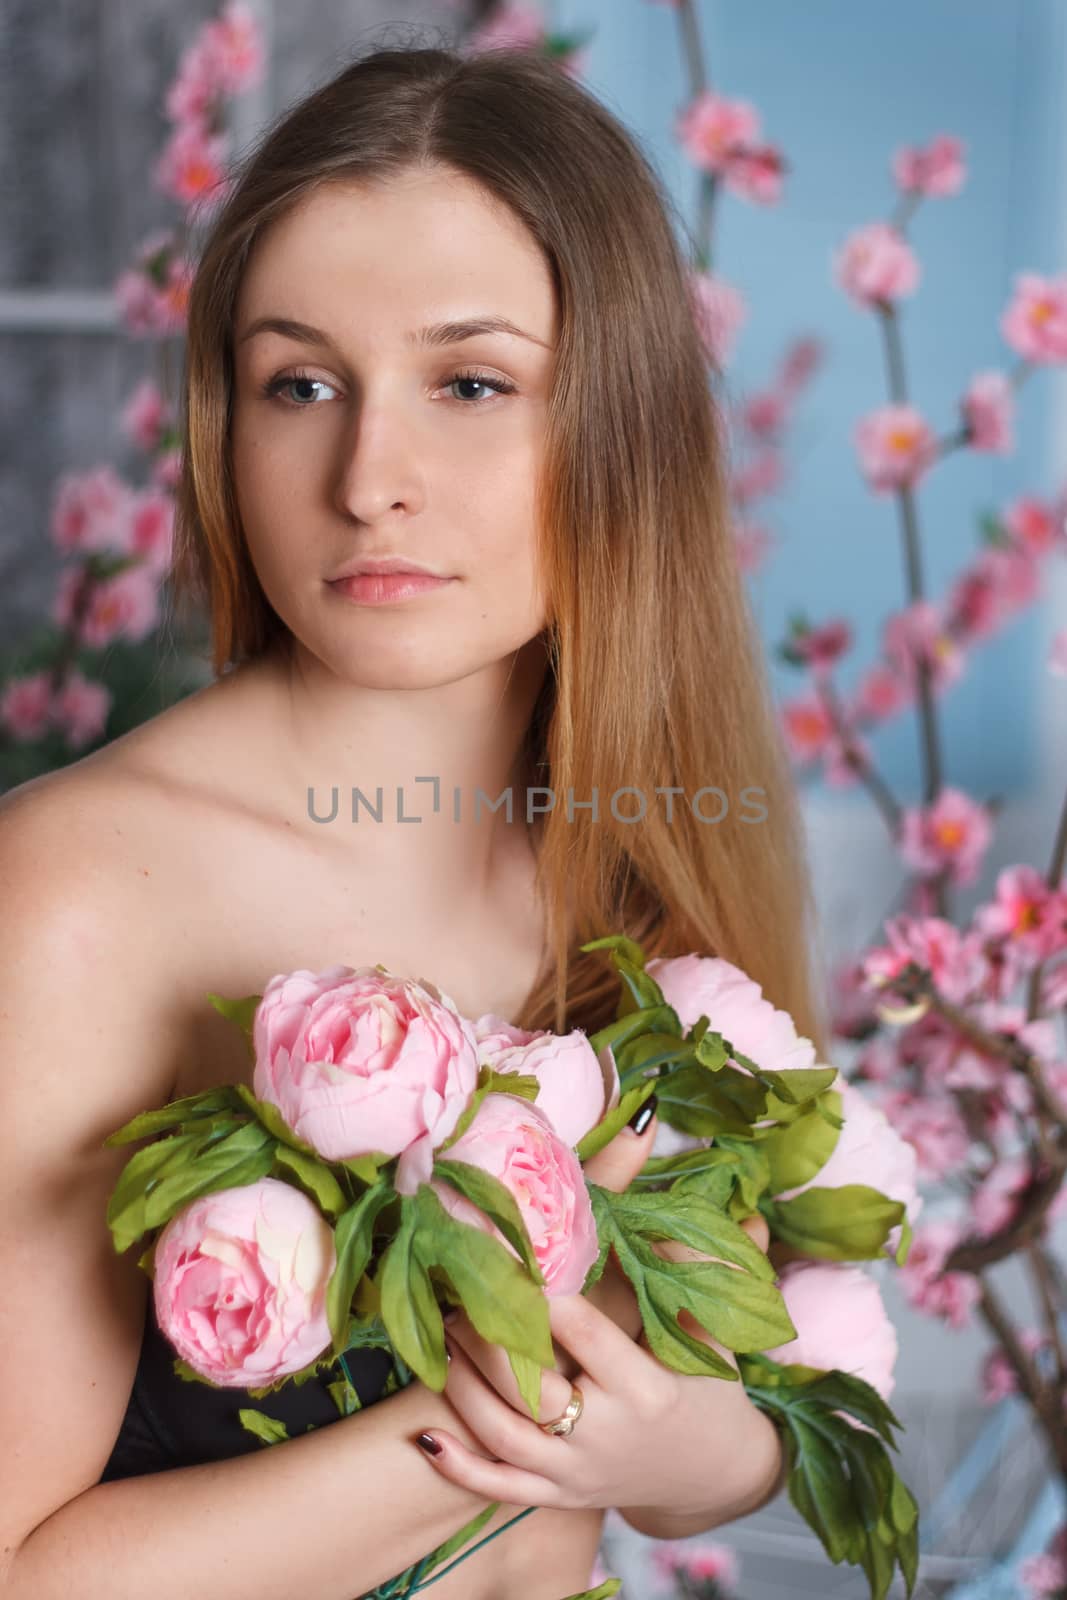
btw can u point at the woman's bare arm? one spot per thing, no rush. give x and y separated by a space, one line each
330 1513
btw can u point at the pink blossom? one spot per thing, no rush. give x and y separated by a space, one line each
151 527
934 1128
853 1014
936 170
90 511
576 1085
1057 655
513 26
191 97
998 1377
720 312
752 542
765 414
26 706
240 1283
988 409
807 726
952 1296
919 632
1054 991
360 1061
896 447
191 164
167 469
1036 526
123 607
235 46
515 1142
821 648
708 1563
714 130
954 833
1035 321
881 694
1044 1576
841 1322
734 1003
145 415
932 943
876 265
153 294
801 361
81 709
996 1201
843 761
762 476
1026 911
1000 581
755 173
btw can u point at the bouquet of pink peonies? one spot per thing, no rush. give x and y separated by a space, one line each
393 1158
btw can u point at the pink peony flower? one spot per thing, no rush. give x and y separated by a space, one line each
955 832
81 709
698 985
720 311
988 409
26 706
876 265
896 446
868 1151
936 170
1035 321
515 1142
358 1061
841 1321
240 1283
576 1085
952 1295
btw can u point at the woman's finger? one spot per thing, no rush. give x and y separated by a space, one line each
607 1354
504 1432
491 1480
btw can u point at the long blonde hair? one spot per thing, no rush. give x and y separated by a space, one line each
657 680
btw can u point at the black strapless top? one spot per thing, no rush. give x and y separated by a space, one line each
175 1422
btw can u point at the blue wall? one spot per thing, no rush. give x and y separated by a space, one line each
841 85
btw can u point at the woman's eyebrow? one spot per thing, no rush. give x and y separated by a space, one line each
437 333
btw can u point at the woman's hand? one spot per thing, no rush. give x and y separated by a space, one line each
648 1438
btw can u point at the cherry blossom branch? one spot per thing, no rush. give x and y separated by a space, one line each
879 790
1044 1401
1046 1291
695 63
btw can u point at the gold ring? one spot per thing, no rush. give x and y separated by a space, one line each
563 1425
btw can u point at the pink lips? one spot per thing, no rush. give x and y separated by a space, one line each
378 588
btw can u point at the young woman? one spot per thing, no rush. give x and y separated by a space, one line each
442 323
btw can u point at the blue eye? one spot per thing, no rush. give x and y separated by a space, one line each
275 387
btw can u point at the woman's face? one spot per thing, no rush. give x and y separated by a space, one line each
363 435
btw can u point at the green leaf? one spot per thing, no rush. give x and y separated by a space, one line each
609 1587
699 1101
736 1306
267 1429
499 1296
409 1309
796 1151
799 1085
660 1018
614 1120
242 1012
366 1168
175 1112
716 1169
315 1179
850 1223
274 1122
353 1242
522 1084
649 1052
345 1397
498 1204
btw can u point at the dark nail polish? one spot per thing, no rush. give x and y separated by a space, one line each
643 1115
427 1442
449 1315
